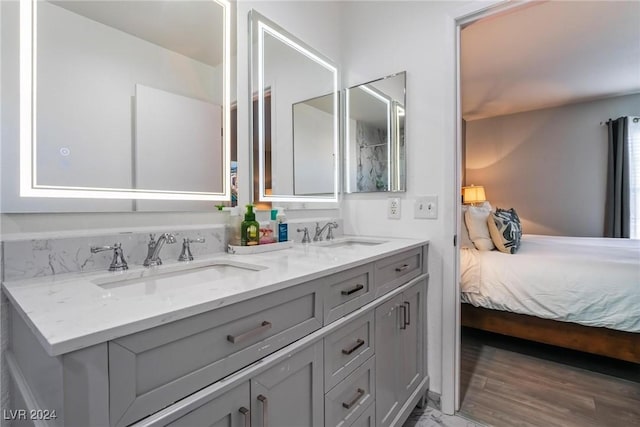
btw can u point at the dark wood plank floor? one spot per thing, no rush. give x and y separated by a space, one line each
510 382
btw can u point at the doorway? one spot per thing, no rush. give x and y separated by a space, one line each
515 381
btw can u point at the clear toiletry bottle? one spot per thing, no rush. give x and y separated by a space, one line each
234 228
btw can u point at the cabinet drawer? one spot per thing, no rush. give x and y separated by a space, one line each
347 291
346 349
151 369
230 409
349 399
367 419
397 269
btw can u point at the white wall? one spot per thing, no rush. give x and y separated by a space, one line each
549 164
375 45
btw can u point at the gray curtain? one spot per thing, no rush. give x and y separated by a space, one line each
618 206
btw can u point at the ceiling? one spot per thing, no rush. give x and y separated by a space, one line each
191 28
547 54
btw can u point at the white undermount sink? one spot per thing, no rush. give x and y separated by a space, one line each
351 242
175 276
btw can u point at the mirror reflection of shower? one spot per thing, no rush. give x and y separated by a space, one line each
374 129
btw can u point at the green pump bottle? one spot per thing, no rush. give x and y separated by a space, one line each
250 229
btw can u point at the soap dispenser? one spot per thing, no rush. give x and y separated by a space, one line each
250 228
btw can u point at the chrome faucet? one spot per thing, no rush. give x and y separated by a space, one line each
318 236
153 255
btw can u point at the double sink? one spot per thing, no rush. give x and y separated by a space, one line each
200 272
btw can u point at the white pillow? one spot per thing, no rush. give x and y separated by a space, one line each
476 220
465 240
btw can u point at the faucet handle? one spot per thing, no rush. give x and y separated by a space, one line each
186 255
331 226
317 237
305 237
118 262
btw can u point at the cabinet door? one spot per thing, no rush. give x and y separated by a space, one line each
411 360
387 360
229 410
291 393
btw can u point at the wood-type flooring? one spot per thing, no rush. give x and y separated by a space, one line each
511 382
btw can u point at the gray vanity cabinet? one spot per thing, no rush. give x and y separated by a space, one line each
290 394
270 361
399 362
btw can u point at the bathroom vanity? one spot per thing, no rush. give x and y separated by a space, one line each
330 334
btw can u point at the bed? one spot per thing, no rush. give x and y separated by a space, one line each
574 292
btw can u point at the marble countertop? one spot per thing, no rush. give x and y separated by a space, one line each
73 311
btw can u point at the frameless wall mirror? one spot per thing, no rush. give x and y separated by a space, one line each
125 99
374 136
295 117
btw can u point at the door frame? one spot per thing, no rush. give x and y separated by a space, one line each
451 326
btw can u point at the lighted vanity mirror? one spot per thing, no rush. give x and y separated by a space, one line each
125 99
296 117
375 136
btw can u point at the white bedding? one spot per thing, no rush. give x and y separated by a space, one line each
591 281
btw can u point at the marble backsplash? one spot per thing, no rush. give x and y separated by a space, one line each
25 259
38 256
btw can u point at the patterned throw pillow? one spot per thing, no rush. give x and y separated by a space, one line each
505 230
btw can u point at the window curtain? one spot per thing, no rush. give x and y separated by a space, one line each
618 203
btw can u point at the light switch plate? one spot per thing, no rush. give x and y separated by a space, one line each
393 208
426 207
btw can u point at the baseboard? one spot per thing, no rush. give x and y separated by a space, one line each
434 400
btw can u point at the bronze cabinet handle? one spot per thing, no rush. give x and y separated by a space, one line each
353 290
359 343
404 316
247 416
348 405
408 314
265 410
250 334
402 268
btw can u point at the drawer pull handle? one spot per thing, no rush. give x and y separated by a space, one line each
408 314
353 290
403 319
257 331
246 414
265 410
348 405
356 346
402 268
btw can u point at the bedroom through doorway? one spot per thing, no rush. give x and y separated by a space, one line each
550 323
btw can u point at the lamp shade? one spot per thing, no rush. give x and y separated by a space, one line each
473 194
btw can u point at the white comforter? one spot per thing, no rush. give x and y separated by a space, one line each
591 281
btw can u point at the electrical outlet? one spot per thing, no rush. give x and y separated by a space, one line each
393 208
426 207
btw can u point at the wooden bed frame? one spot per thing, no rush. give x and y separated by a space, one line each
603 341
